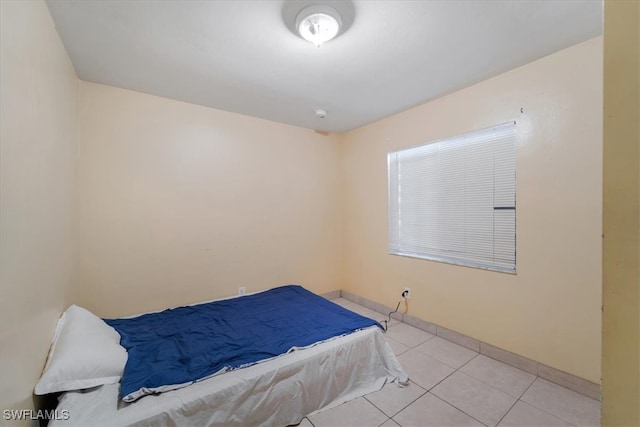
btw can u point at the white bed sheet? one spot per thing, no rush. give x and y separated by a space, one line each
278 392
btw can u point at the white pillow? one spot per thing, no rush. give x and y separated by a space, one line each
85 352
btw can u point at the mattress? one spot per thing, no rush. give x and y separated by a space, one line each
173 348
277 392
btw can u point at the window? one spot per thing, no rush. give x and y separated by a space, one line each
454 200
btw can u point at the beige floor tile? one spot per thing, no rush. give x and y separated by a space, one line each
390 423
566 380
357 412
499 375
509 358
408 335
446 352
432 411
382 317
363 311
392 399
422 369
398 348
563 403
481 401
390 323
342 301
420 323
348 304
482 390
458 338
524 415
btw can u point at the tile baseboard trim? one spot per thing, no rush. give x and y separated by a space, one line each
420 324
458 338
564 379
572 382
331 294
509 358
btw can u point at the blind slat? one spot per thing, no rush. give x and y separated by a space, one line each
443 198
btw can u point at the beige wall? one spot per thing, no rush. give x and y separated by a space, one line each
38 158
550 310
621 244
180 203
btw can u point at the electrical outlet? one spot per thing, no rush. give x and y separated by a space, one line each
406 293
242 290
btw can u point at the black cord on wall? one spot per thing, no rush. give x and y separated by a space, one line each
386 322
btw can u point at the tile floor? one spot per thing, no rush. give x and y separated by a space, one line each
454 386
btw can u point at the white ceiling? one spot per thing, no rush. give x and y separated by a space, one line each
242 56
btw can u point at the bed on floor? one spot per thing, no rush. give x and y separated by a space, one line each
269 358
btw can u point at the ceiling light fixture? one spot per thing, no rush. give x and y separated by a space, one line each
318 24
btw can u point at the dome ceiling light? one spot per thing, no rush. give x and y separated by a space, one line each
318 24
320 113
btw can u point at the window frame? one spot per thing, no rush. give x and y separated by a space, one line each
504 265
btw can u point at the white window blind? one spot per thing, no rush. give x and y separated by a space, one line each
454 200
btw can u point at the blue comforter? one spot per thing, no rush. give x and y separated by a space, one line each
179 346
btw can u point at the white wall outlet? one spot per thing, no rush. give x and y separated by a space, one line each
242 290
406 293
